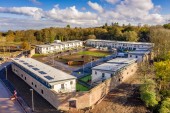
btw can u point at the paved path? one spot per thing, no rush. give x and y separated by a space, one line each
6 105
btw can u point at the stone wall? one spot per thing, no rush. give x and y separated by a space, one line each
96 94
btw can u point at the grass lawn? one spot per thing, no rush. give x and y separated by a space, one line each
86 78
80 87
94 53
39 55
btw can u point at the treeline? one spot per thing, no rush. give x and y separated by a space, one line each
157 34
155 90
112 32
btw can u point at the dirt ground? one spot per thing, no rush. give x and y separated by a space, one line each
123 99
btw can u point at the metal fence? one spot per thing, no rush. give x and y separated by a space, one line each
86 69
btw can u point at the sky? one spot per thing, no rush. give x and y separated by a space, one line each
38 14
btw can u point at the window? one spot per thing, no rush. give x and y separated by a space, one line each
136 56
71 82
103 75
96 72
119 79
25 78
35 85
42 91
127 73
130 55
62 86
32 83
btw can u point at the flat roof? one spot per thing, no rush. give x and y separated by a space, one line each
122 60
59 43
138 52
109 67
45 72
125 42
56 44
45 45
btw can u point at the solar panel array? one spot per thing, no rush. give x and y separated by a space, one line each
48 77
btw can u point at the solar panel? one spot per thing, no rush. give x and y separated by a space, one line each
30 66
25 63
42 72
48 77
35 69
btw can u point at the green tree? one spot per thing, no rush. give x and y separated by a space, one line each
130 36
163 74
68 26
167 26
148 93
149 98
165 106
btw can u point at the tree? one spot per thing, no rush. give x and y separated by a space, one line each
130 36
149 98
38 35
167 26
26 45
165 106
68 26
163 74
91 37
148 93
10 36
148 85
160 38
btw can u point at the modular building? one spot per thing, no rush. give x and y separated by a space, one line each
122 68
58 46
141 55
44 79
118 44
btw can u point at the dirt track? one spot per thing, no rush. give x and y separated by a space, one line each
123 99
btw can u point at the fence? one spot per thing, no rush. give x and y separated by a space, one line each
86 69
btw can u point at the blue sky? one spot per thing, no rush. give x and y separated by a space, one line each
37 14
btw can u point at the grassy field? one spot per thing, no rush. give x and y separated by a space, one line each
39 55
80 87
86 78
8 54
94 53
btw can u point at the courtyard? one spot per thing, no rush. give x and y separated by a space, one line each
82 57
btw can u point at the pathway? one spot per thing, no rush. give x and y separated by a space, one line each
6 105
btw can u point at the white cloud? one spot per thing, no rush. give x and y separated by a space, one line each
138 11
124 12
112 1
71 15
157 9
37 13
95 6
83 8
35 2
